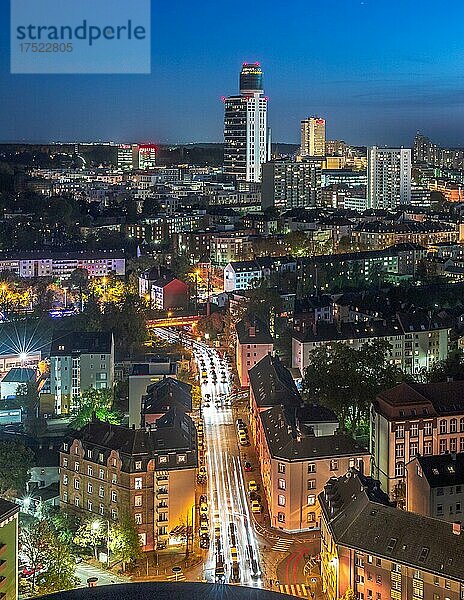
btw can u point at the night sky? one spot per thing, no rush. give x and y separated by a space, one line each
377 70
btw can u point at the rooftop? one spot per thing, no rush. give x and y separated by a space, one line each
272 383
19 375
65 343
359 516
443 469
253 330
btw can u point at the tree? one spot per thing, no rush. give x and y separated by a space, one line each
90 535
451 368
348 379
95 403
125 540
15 462
43 549
348 595
263 301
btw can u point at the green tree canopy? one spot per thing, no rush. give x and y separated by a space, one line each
348 379
15 462
452 367
125 540
98 403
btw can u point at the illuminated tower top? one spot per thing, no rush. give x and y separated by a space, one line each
251 79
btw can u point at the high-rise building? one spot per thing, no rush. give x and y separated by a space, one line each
246 136
313 137
289 184
388 177
147 156
128 157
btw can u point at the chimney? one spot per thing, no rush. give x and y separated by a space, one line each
457 528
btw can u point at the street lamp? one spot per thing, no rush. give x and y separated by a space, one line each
96 525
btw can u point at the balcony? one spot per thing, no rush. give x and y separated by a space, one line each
162 494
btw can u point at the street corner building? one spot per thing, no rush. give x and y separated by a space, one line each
8 550
379 551
150 473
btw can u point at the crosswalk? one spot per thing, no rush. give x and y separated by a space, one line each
282 545
297 589
179 577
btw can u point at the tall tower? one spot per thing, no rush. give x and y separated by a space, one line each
313 137
246 137
388 177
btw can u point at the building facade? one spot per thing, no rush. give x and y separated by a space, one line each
254 342
290 184
414 419
379 552
107 470
313 137
246 136
9 539
388 177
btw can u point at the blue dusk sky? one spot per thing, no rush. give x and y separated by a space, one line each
377 70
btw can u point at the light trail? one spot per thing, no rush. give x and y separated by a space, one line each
227 492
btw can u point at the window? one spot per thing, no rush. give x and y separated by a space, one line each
424 554
77 501
114 496
114 478
138 501
311 517
114 513
65 496
138 518
138 483
65 480
89 471
414 430
101 492
443 446
453 444
399 432
312 468
413 449
66 447
281 468
399 451
138 465
379 579
391 544
440 491
439 510
428 428
65 462
89 505
281 517
443 426
89 488
76 467
334 465
396 568
181 458
101 474
77 484
281 500
461 424
76 450
281 484
399 469
100 457
311 484
163 460
89 453
311 500
453 425
427 447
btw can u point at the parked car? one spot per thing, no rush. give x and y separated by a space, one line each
252 486
248 467
255 506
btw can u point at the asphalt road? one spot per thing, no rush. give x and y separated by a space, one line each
226 489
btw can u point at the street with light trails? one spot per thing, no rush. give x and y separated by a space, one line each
233 555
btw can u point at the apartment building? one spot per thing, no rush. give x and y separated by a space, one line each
379 234
163 289
107 470
98 263
414 419
230 246
435 486
299 447
79 361
417 341
382 553
9 523
253 342
163 395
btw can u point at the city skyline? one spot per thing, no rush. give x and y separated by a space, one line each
375 78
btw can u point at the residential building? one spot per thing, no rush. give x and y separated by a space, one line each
291 184
98 263
79 361
435 486
241 275
379 552
379 234
417 341
150 473
163 395
411 419
231 246
388 177
9 539
313 137
163 289
246 137
254 342
298 447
